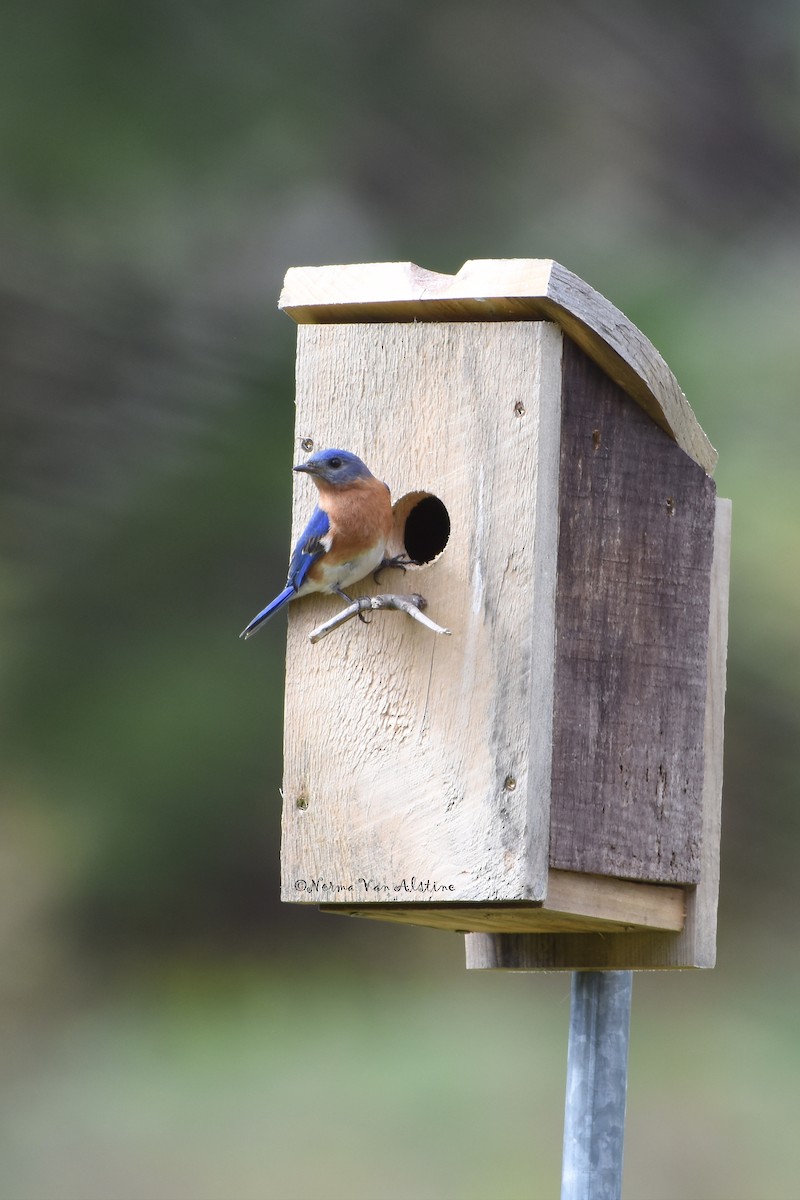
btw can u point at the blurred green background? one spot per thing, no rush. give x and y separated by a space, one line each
168 1029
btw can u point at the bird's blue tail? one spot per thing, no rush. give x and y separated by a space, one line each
267 612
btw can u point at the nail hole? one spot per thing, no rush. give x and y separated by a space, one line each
307 444
519 409
597 438
509 783
670 506
301 802
421 527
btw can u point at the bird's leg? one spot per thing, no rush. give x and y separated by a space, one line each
398 561
349 600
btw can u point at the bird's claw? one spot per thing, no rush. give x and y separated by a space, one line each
398 561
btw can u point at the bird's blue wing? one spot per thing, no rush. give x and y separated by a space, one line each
308 549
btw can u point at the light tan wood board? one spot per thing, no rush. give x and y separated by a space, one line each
407 755
574 903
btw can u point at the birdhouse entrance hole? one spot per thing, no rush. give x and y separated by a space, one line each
421 527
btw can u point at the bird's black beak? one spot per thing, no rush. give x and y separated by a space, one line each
308 468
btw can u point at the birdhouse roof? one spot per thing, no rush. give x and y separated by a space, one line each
514 289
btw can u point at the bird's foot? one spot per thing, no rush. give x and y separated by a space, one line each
361 616
398 561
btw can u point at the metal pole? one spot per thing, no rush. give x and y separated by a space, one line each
597 1083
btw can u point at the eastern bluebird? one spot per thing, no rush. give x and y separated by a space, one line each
345 540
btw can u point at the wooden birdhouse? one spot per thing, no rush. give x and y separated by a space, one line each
552 769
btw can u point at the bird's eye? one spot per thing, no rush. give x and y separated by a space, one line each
335 463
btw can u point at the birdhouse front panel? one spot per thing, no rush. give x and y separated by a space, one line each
417 766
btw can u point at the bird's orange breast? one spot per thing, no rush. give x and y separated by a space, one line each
360 515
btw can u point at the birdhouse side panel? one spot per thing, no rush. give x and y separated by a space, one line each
634 565
417 766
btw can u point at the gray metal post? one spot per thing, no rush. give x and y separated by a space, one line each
597 1084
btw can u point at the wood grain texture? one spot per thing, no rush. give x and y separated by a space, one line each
574 903
698 943
631 904
409 757
504 290
695 945
632 604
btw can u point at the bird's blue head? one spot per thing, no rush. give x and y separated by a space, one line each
336 467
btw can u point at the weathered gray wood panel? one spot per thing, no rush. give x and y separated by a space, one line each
632 610
649 950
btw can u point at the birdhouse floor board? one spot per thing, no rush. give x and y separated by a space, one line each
574 903
643 950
